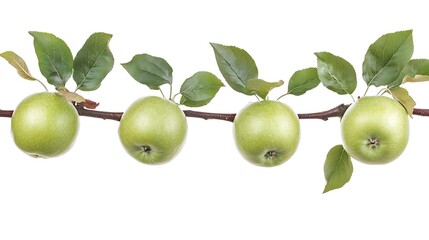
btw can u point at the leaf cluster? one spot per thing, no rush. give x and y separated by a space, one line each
387 64
89 67
196 91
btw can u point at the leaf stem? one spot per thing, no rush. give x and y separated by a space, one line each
171 92
43 85
174 97
78 86
383 91
162 93
284 95
366 91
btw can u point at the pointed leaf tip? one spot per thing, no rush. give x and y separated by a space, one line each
54 56
401 95
93 62
338 168
199 89
303 81
18 63
386 58
336 73
149 70
261 87
236 66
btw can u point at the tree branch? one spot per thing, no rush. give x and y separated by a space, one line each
206 115
337 111
6 113
99 114
421 112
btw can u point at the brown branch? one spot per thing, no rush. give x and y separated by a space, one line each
205 115
325 115
99 114
421 112
6 113
337 111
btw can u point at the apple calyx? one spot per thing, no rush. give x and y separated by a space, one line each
373 143
270 155
145 149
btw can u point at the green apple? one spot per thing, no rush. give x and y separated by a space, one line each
153 130
375 130
266 133
44 125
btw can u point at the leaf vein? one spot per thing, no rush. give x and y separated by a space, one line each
85 78
232 69
388 62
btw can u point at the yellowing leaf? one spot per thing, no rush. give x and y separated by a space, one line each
416 78
261 87
402 96
18 63
413 68
71 96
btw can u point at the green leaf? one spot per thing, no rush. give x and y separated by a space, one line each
236 66
187 102
387 57
93 62
336 73
338 168
261 87
303 81
55 58
18 63
149 70
402 96
201 87
417 70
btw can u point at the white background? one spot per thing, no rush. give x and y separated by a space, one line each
97 191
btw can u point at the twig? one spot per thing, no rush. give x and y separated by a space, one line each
337 111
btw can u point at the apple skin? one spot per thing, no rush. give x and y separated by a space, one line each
375 130
153 130
266 133
44 125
